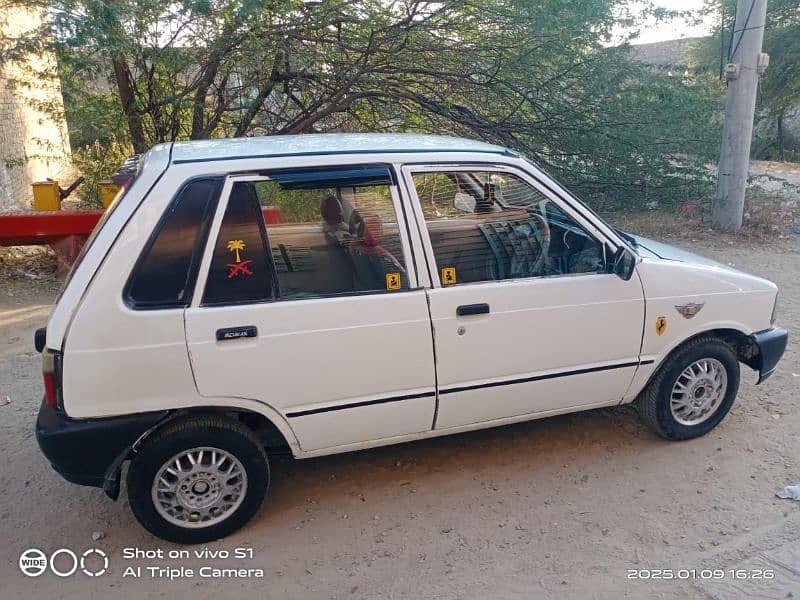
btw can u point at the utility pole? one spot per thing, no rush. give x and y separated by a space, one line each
742 73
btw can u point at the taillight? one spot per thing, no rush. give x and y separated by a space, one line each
50 389
50 378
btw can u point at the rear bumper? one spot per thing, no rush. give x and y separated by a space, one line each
89 452
771 345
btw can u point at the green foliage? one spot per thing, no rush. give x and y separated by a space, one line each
97 162
534 75
781 86
304 206
296 206
779 92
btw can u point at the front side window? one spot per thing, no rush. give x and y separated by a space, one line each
333 233
491 226
165 273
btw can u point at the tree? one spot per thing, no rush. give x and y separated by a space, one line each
534 75
780 85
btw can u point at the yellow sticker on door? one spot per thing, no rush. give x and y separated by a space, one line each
393 281
661 325
448 275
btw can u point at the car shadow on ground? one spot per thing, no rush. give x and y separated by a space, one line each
579 438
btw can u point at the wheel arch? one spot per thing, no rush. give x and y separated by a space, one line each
269 425
741 342
272 430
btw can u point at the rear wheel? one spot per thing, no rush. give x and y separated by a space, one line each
198 480
693 391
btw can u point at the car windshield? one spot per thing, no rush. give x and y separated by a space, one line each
629 240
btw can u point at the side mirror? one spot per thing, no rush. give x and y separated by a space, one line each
624 263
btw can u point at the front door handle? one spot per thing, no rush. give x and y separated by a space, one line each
234 333
466 310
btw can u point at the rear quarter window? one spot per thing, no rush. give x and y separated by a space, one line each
125 177
165 273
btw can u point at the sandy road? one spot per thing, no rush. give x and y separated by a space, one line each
559 508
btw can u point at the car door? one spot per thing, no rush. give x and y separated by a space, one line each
317 314
526 317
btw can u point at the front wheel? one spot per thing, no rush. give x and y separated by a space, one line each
198 479
693 391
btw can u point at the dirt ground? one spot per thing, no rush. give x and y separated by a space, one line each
556 508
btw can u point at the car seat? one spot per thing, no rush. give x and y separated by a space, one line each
371 260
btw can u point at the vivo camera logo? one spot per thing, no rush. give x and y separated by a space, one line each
33 562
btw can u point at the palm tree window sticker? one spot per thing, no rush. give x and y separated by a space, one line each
239 266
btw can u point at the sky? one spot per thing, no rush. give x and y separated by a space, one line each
670 30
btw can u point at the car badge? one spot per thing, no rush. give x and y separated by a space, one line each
689 310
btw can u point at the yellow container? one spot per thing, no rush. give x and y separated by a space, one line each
46 195
108 191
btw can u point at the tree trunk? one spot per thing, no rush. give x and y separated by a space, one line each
200 130
781 146
122 74
198 113
263 94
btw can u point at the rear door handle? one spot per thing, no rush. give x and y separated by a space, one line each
466 310
234 333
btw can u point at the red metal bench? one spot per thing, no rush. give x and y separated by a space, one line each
65 231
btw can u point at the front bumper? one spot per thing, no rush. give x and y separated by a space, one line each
91 451
771 344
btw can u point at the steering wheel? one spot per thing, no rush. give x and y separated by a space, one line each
541 233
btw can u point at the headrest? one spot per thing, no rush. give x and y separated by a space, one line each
372 229
331 210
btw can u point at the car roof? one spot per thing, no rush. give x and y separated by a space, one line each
324 143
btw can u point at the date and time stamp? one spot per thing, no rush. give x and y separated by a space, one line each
701 574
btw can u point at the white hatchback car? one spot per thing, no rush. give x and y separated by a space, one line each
328 293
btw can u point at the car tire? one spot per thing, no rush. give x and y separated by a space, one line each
702 373
198 479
